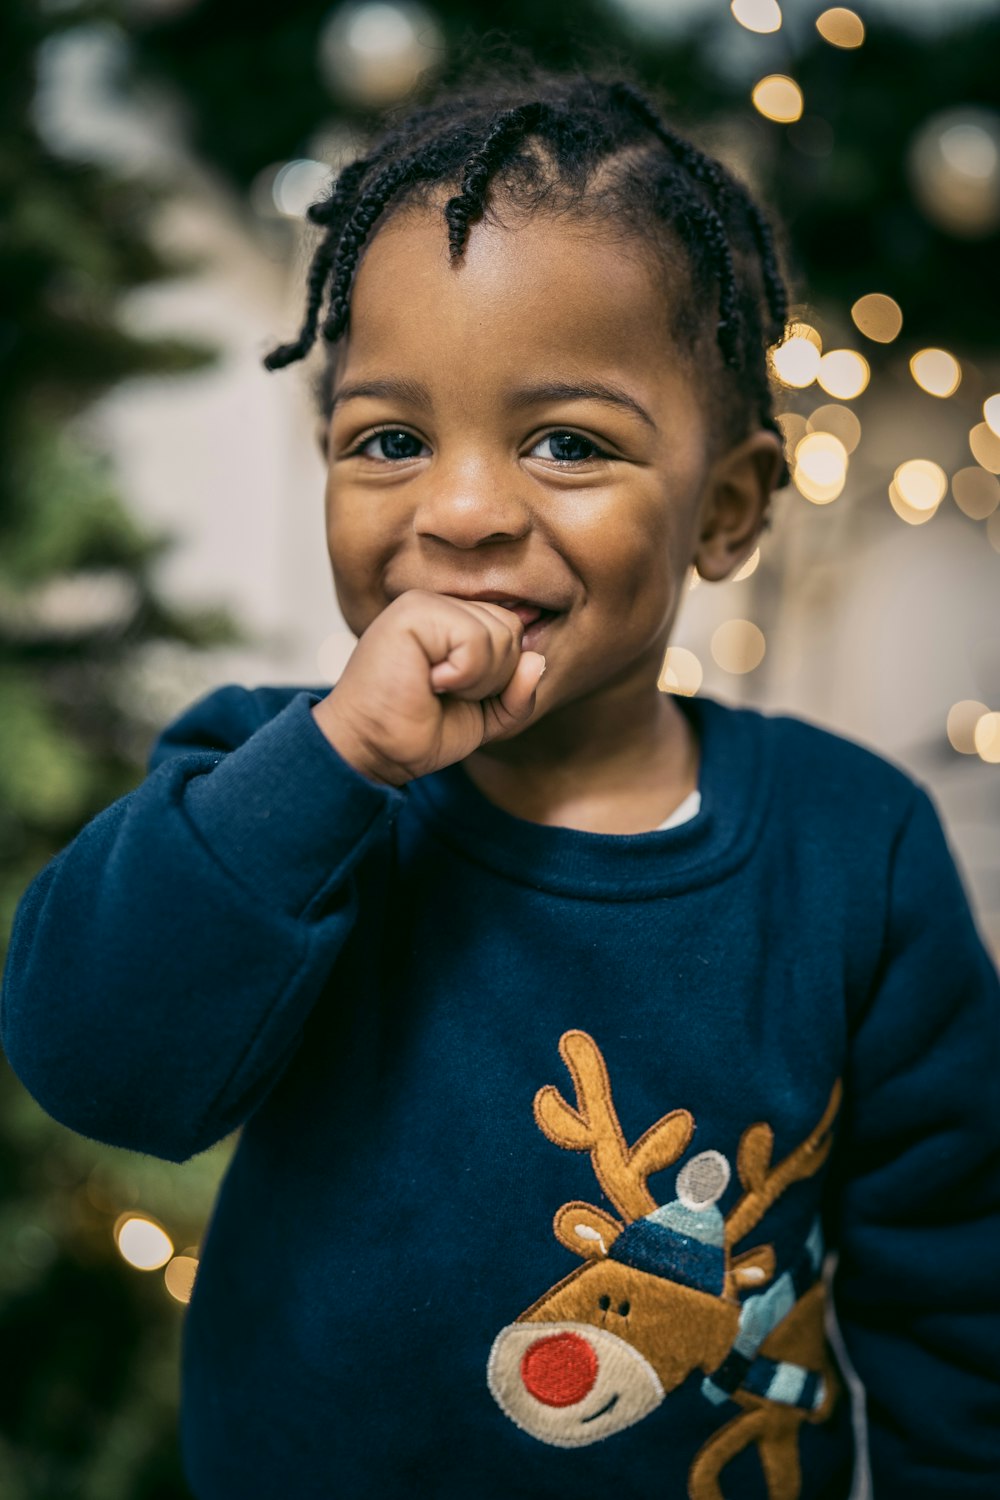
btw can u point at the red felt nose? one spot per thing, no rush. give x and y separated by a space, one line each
559 1370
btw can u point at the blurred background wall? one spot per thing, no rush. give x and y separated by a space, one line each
161 522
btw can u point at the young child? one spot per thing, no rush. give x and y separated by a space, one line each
462 947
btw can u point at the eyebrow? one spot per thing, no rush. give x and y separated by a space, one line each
595 390
416 394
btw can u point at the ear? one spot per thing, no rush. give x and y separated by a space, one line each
585 1230
734 504
754 1268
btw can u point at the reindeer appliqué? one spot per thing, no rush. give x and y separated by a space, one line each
660 1293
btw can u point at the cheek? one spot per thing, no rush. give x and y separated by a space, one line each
640 533
356 549
355 535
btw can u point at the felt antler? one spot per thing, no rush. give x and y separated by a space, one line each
593 1126
764 1183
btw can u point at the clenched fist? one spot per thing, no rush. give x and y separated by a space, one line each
432 679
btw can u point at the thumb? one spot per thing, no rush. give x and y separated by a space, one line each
518 697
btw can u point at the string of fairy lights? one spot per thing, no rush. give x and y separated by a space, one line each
819 443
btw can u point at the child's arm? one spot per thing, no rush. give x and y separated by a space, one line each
162 966
917 1182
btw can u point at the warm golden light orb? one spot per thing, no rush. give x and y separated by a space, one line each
796 360
763 16
778 97
936 371
841 27
843 373
991 411
961 725
921 483
178 1278
987 739
820 467
738 646
985 447
839 420
142 1242
906 512
821 457
878 317
681 672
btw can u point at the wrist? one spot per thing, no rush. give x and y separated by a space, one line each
353 747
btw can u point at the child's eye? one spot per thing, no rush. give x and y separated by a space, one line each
568 448
393 443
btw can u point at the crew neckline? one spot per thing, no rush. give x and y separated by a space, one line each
733 779
683 812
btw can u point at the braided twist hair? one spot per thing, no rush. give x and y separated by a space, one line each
593 149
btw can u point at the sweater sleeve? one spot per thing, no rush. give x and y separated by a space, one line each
917 1187
162 967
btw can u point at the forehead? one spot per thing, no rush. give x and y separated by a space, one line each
540 294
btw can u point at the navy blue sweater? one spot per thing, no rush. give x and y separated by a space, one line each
545 1134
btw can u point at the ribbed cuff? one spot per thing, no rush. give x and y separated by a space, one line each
285 813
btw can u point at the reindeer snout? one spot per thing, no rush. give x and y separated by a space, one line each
570 1383
559 1370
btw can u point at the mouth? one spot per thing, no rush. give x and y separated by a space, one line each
536 622
605 1408
534 617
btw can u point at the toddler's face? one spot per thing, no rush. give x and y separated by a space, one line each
518 427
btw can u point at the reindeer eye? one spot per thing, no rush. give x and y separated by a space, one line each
624 1308
604 1303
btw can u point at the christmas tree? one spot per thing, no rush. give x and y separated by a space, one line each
88 1384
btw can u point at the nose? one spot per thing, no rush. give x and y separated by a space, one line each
559 1370
471 504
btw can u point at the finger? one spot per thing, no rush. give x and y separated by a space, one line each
483 650
517 702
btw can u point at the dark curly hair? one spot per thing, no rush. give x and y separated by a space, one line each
586 147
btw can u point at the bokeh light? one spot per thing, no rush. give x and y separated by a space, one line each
985 447
748 568
796 359
681 672
179 1275
987 738
936 371
296 184
921 484
843 373
839 420
961 724
374 51
954 168
991 411
142 1242
763 16
820 470
841 27
738 646
911 514
878 317
778 97
976 492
